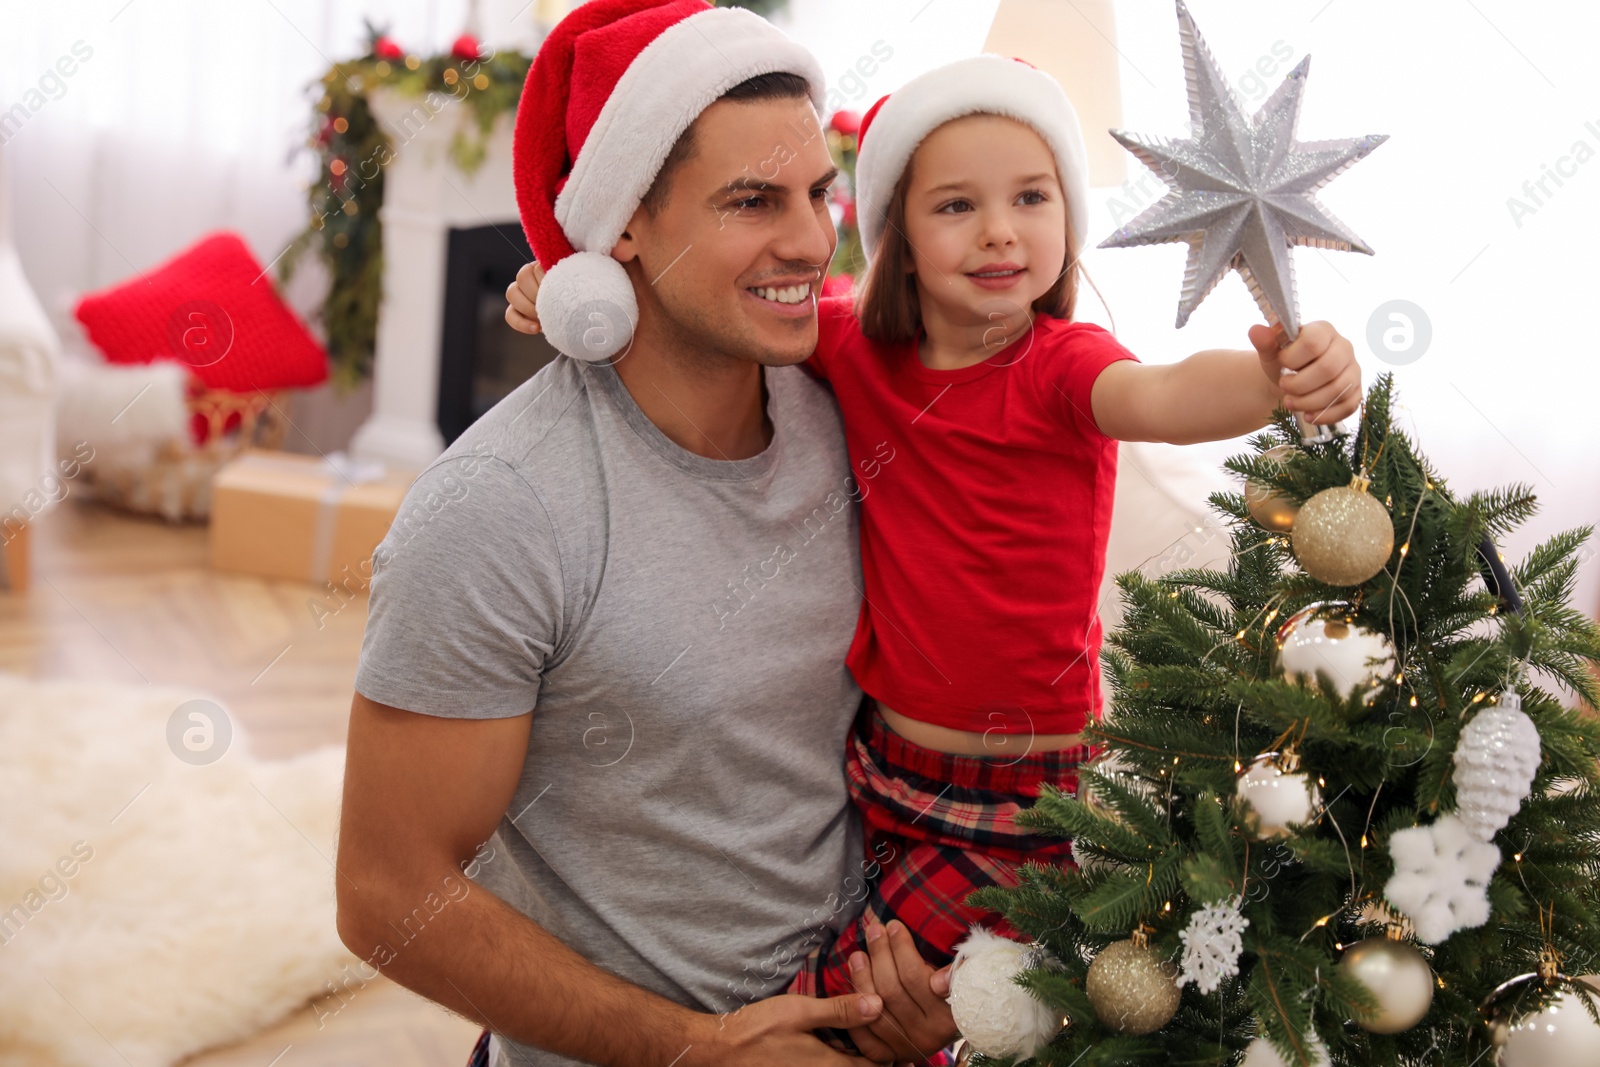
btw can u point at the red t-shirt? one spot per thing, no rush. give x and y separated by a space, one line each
985 504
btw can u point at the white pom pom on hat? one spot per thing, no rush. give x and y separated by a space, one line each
586 306
613 87
985 84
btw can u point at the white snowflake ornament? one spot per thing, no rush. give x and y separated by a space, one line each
1441 878
1211 945
1496 759
996 1015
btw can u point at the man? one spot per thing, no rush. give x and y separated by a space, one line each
603 669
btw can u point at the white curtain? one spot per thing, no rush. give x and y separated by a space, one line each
180 117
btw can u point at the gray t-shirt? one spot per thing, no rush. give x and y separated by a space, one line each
678 626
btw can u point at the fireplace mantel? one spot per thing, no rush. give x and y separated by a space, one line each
425 194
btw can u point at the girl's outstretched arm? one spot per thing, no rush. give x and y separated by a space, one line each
1220 394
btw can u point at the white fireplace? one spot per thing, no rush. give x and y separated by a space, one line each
425 196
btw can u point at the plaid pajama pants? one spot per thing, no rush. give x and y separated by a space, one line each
937 826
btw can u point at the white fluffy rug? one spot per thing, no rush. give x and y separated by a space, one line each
150 908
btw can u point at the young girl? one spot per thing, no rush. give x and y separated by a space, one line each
983 545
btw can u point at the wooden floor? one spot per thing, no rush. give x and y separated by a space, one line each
128 599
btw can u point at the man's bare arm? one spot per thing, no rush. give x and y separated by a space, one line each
421 795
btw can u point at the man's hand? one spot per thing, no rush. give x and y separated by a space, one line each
522 314
778 1031
916 1021
1317 371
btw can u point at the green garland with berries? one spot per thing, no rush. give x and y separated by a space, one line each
353 149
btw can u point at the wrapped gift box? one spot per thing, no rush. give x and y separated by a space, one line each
281 515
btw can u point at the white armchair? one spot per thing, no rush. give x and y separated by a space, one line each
30 354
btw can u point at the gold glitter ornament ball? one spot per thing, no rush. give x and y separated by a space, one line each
1343 535
1270 508
1133 990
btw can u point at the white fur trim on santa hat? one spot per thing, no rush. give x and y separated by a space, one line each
666 87
986 84
587 307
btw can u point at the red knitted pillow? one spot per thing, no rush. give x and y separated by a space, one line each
213 309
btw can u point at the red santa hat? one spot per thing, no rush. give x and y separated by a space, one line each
986 84
613 87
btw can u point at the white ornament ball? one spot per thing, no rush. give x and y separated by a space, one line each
1324 637
1496 759
1562 1035
1085 860
1260 1053
1115 767
997 1016
1399 978
1275 798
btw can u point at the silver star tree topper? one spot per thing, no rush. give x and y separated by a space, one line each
1241 190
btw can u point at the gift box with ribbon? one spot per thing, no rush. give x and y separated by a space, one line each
316 519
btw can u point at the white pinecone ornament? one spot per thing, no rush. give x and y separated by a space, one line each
1496 759
1211 945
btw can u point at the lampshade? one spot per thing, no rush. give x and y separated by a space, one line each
550 12
1076 43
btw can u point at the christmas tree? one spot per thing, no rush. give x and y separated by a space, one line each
1280 734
